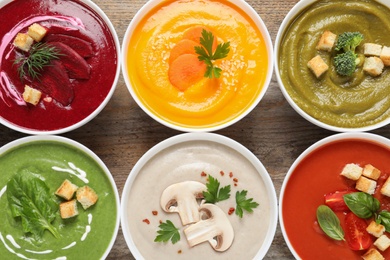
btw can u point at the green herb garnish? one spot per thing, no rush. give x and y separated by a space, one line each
206 53
329 223
39 56
384 219
167 232
244 204
214 193
362 204
30 199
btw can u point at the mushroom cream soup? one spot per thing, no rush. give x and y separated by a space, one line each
357 101
86 236
181 172
207 102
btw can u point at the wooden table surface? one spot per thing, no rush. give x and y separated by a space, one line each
122 132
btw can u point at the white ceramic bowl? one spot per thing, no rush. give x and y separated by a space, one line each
289 18
50 164
176 124
184 157
88 117
298 181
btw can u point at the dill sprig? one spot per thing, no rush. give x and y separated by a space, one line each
39 56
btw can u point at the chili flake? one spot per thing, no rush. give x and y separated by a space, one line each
146 221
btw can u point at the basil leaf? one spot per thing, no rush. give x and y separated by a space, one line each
384 219
362 204
329 223
30 199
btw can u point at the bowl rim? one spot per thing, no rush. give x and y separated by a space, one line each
212 138
241 4
64 140
297 9
91 116
363 136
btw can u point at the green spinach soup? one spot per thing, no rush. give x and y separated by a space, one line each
49 162
355 101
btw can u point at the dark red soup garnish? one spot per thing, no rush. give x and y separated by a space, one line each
74 84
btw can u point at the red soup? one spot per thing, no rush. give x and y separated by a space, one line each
71 86
315 176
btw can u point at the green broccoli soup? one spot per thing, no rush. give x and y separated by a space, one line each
348 82
44 214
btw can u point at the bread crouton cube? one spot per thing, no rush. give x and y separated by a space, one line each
352 171
36 31
86 196
385 55
382 243
366 185
385 190
373 66
31 95
372 49
375 229
371 172
23 41
373 254
66 190
326 41
68 209
318 66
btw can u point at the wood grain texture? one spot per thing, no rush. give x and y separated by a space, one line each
122 132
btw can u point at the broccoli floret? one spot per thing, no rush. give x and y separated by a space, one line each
346 62
348 41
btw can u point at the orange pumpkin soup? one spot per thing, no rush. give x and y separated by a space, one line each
175 89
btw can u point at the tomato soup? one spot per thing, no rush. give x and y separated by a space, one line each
208 102
71 18
319 174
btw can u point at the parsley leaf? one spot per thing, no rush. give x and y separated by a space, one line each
167 232
244 204
214 193
206 53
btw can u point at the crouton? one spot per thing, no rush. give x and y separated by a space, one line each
68 209
382 243
372 49
66 190
352 171
31 95
385 55
385 190
86 196
318 66
23 41
366 185
375 229
373 66
371 172
373 254
37 32
326 41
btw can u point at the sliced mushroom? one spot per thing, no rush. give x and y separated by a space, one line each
182 198
216 229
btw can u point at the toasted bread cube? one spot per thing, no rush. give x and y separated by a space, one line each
373 66
371 172
326 41
375 229
86 196
382 243
352 171
385 190
372 49
68 209
318 66
37 32
373 254
385 55
23 41
366 185
31 95
66 190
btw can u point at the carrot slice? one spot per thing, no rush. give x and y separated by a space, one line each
185 71
184 46
195 33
